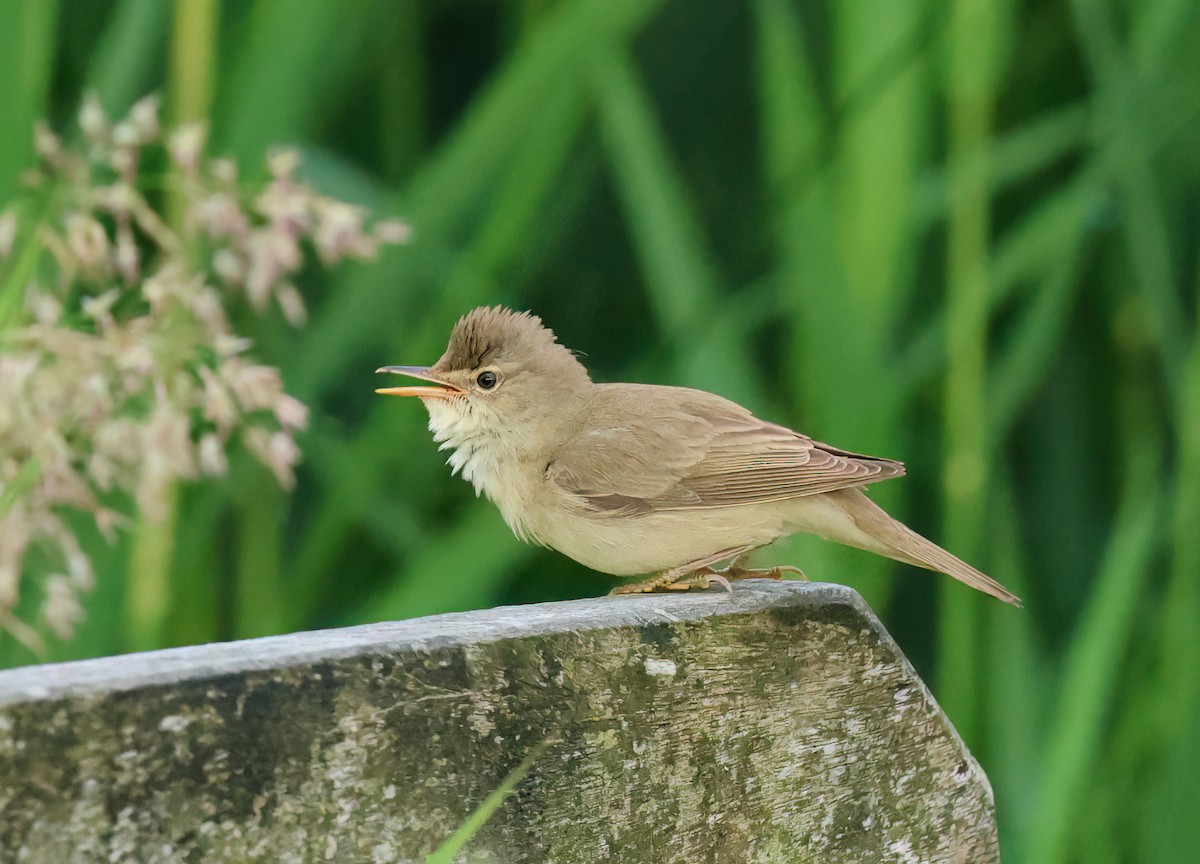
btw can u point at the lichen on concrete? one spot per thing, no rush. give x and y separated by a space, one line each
779 724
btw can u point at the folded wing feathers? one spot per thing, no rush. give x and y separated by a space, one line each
727 460
784 465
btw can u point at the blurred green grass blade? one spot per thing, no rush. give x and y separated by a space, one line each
520 194
1127 148
1131 129
1031 249
23 264
350 482
403 63
287 61
355 475
193 52
1030 253
662 223
1017 679
847 324
1015 157
1030 353
395 523
449 574
665 231
448 851
792 131
1155 26
200 610
29 474
123 66
1022 152
190 81
977 41
334 173
260 591
558 51
444 199
882 139
1099 41
1050 240
1180 650
27 44
1167 826
100 633
1091 673
1151 257
791 121
150 584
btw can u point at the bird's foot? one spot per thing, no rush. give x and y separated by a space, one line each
705 577
657 582
737 570
732 572
702 577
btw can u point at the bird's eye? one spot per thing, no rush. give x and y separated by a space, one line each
486 380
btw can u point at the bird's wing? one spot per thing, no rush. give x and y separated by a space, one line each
697 450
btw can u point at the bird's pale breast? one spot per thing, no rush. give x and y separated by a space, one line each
629 544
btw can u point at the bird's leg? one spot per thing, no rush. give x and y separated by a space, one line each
694 574
736 569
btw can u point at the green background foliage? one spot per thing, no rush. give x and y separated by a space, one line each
959 233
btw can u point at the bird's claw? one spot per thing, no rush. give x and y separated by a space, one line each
764 573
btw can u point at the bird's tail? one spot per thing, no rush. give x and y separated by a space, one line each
920 552
896 540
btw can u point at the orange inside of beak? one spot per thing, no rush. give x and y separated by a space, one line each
420 392
440 390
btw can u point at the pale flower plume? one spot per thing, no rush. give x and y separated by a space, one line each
120 373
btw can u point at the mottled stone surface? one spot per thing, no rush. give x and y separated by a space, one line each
779 723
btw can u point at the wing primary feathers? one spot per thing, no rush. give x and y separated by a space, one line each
705 455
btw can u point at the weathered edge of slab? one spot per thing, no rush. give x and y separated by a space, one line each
154 668
777 723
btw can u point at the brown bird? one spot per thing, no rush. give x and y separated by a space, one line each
637 478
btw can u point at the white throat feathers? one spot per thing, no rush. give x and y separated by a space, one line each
473 443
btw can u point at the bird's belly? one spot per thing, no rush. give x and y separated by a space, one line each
653 542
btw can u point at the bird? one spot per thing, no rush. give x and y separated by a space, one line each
637 479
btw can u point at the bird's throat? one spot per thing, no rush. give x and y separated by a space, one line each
475 449
484 459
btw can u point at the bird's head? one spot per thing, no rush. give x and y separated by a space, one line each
504 376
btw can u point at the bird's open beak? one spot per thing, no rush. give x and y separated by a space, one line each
441 391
